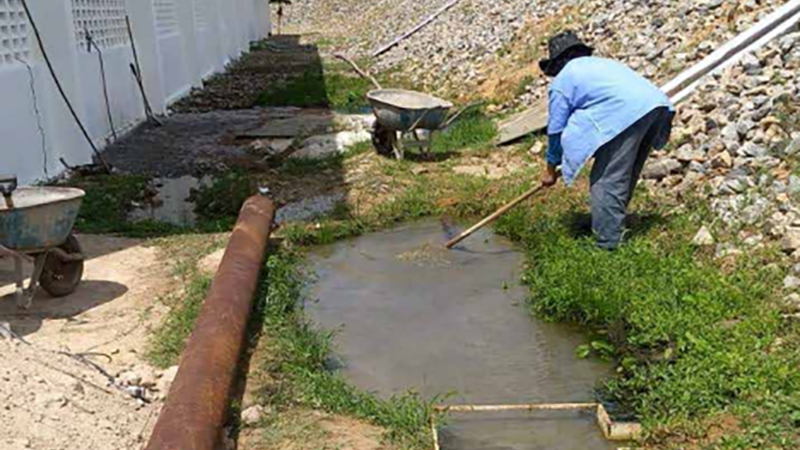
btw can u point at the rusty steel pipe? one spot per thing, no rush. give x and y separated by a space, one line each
198 401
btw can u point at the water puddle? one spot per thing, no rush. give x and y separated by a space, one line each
171 203
412 316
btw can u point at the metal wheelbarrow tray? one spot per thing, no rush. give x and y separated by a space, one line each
398 111
36 226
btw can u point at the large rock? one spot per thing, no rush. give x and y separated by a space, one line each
252 415
794 185
793 148
791 240
752 150
688 153
791 283
656 170
722 160
791 302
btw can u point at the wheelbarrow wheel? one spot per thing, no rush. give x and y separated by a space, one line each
61 278
384 140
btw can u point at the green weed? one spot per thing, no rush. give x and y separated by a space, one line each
473 129
169 339
108 202
522 86
217 206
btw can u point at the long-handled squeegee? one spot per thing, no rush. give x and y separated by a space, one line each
453 242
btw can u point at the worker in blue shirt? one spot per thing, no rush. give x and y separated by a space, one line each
601 108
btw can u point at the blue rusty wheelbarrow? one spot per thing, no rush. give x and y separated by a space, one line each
36 226
400 113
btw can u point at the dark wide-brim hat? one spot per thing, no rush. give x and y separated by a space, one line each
559 45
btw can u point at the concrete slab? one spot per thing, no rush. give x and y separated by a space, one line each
291 127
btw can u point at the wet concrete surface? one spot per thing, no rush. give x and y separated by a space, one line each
563 430
413 316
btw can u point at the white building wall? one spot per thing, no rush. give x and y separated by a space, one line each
179 43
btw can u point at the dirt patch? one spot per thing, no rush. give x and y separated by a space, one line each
710 435
313 430
110 312
53 401
508 76
494 167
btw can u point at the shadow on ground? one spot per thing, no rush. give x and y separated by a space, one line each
270 63
89 295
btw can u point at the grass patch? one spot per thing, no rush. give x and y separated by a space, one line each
320 88
297 356
108 202
169 339
217 206
109 199
692 340
473 129
523 85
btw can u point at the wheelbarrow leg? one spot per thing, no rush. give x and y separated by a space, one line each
399 153
25 300
19 294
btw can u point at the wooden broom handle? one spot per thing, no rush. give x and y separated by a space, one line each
456 240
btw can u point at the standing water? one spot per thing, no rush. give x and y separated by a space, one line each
173 204
413 316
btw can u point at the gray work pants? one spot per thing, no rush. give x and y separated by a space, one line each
617 167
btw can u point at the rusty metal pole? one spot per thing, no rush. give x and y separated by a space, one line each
198 401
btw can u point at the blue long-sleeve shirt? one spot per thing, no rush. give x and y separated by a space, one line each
592 101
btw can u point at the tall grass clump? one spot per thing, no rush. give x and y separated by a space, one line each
692 340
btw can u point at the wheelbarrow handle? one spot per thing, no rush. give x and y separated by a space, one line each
8 184
460 112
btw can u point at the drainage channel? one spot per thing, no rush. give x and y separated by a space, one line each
412 316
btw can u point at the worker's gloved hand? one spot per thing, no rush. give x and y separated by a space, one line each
550 176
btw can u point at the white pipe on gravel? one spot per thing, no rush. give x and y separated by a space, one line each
412 31
772 26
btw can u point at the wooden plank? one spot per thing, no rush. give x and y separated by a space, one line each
522 407
413 31
522 124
